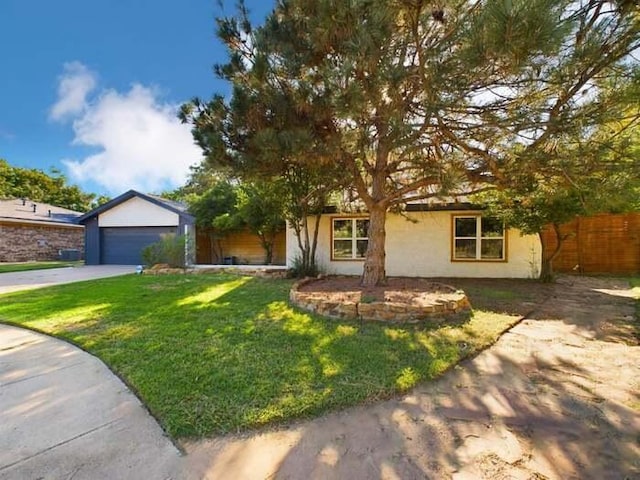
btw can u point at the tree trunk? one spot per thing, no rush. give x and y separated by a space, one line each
546 269
314 244
267 241
374 273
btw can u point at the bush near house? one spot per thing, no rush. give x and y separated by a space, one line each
170 250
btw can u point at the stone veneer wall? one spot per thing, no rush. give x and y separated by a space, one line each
21 242
452 306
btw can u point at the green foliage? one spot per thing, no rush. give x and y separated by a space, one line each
37 186
228 206
215 206
171 249
261 209
212 354
301 268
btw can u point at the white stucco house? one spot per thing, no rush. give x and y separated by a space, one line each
437 240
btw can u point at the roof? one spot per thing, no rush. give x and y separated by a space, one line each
23 210
171 205
434 206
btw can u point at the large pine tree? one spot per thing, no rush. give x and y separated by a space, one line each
412 98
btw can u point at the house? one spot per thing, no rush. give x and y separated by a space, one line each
428 240
38 231
116 232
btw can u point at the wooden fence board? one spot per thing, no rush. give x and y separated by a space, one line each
600 244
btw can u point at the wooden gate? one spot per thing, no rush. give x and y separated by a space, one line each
599 244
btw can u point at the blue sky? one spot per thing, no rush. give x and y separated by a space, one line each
91 87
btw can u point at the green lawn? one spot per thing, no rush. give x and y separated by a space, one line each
210 354
23 267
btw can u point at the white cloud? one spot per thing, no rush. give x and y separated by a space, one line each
141 143
75 84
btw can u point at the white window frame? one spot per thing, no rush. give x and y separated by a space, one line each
354 238
478 239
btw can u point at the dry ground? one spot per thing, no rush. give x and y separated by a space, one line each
557 397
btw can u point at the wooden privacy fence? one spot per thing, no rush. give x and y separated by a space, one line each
604 243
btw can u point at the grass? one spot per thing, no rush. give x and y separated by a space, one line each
211 354
23 267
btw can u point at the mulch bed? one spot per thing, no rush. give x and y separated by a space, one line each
398 290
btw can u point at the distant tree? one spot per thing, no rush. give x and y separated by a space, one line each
100 200
410 100
37 186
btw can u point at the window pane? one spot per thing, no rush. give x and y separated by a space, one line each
342 249
361 248
466 227
465 249
492 227
362 228
342 228
492 249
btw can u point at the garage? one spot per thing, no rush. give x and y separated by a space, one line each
123 245
116 232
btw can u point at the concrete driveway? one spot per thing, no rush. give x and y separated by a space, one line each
64 415
15 281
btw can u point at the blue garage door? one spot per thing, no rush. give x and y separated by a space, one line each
123 245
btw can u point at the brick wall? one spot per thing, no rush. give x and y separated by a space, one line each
25 242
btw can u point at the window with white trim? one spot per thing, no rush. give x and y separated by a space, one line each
350 238
478 238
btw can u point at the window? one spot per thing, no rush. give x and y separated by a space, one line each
478 238
350 238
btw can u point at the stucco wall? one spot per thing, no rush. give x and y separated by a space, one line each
423 249
27 242
137 212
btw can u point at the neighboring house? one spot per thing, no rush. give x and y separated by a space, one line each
429 240
116 232
38 231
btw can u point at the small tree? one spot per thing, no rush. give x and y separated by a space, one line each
216 210
261 208
585 173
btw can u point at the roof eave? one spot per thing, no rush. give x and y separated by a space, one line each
128 195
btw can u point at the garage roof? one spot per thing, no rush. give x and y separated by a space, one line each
171 205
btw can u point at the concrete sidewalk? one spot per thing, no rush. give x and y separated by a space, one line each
15 281
63 415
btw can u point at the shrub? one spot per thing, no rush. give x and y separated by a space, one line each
300 270
170 249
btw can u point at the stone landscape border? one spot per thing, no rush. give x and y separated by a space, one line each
454 307
248 270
